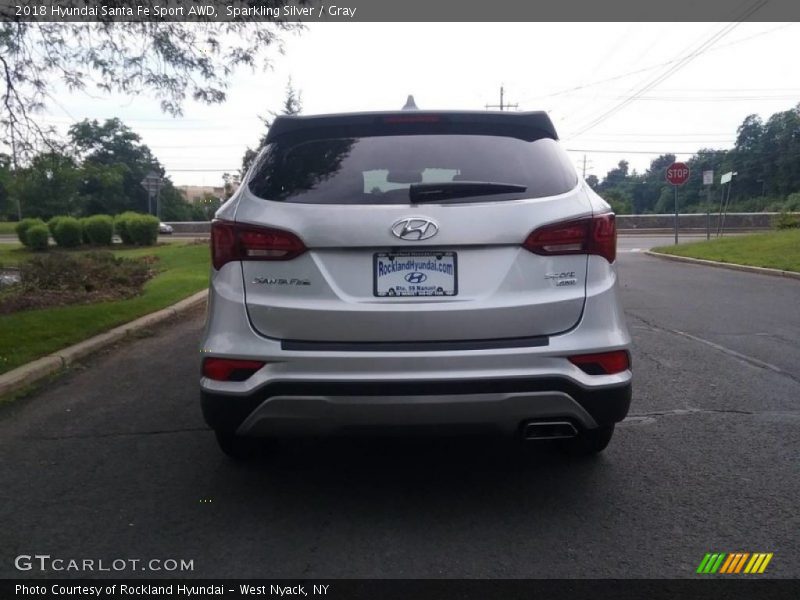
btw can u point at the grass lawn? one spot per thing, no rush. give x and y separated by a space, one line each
776 250
7 227
29 335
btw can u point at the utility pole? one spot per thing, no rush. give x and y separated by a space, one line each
584 166
502 106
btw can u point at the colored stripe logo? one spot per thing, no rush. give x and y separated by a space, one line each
734 563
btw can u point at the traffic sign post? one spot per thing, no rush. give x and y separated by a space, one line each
725 178
677 174
152 183
708 180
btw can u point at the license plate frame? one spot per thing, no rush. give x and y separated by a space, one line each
418 256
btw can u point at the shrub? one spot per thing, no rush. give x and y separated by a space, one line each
98 230
37 237
51 225
23 226
786 220
121 226
67 232
142 229
85 234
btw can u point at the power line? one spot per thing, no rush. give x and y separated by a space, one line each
657 65
704 47
590 151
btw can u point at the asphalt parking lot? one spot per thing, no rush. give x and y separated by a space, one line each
113 461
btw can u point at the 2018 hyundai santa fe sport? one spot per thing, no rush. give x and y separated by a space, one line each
415 268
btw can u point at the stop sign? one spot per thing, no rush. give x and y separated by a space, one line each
678 173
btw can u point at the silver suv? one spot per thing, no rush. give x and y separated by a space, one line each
392 270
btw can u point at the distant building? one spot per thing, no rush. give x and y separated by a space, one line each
195 193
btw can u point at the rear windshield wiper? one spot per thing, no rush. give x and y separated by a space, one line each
430 192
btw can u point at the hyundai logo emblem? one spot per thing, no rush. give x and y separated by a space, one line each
414 229
416 277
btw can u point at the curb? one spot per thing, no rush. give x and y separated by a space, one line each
41 368
731 266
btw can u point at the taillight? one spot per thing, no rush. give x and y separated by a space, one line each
238 241
230 369
593 235
604 363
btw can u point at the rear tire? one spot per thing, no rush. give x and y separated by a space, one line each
237 447
588 442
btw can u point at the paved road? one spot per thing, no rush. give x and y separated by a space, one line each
114 462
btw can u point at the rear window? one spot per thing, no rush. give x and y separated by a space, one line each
380 169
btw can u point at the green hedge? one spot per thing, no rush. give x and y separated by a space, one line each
23 227
144 230
37 237
67 232
121 226
137 229
785 220
51 225
98 230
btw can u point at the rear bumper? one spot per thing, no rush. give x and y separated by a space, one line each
336 406
311 388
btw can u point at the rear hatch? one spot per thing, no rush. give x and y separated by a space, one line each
413 227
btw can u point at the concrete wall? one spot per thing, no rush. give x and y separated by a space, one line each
697 222
626 223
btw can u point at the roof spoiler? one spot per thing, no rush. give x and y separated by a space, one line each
483 120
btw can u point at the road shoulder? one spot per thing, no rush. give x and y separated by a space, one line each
731 266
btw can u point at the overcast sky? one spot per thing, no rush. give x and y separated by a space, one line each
584 75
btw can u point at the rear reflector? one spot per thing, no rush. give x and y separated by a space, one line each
237 241
228 369
605 363
593 235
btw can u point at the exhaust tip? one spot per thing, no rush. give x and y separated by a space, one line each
548 430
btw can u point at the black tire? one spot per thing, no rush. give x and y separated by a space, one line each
237 447
588 441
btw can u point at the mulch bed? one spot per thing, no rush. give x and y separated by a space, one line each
57 280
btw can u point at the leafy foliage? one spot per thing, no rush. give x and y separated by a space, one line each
67 232
51 224
785 220
765 158
22 229
292 105
171 60
137 229
102 176
121 226
98 230
37 237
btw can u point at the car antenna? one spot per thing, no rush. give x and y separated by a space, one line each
410 104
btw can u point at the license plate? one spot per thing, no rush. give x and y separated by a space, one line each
415 274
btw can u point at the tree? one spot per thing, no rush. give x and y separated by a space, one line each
113 147
292 105
615 176
6 208
208 204
49 186
174 206
102 188
171 59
